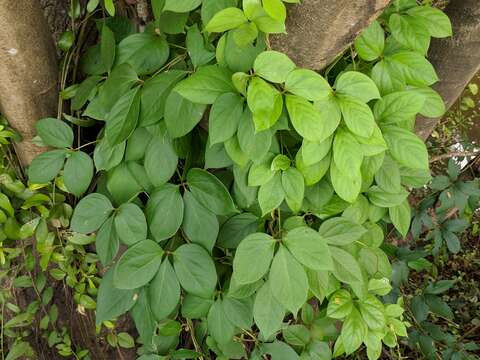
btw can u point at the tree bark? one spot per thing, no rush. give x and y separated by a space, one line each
456 59
28 71
319 30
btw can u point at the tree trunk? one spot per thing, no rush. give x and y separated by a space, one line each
28 71
319 30
456 59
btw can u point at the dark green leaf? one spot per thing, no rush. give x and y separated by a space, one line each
138 265
195 270
90 213
78 173
164 212
54 132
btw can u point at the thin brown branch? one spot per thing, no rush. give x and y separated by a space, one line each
454 154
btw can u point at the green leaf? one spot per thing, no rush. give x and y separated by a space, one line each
388 176
235 152
253 257
138 265
226 19
379 286
110 7
347 153
410 32
111 301
154 95
90 213
340 304
267 312
145 52
275 9
137 144
143 317
398 106
294 188
346 268
346 185
195 270
121 184
341 231
357 115
375 262
219 327
164 291
235 229
309 248
164 212
288 281
307 84
265 102
105 156
435 20
206 84
313 152
199 53
273 66
200 225
415 68
439 306
160 160
211 7
306 119
296 335
400 216
353 332
123 118
271 194
406 148
194 307
121 79
107 242
46 166
54 132
371 42
224 118
239 311
181 6
357 85
107 48
181 115
216 157
315 172
433 106
254 144
78 173
373 313
388 77
209 191
382 198
85 91
245 34
130 224
279 350
260 172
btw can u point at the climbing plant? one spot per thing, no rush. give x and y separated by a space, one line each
240 202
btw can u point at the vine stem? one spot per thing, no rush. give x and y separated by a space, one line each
194 339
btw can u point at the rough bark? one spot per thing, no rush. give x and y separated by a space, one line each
456 59
319 30
56 13
28 71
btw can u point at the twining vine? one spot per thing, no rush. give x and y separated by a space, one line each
240 202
